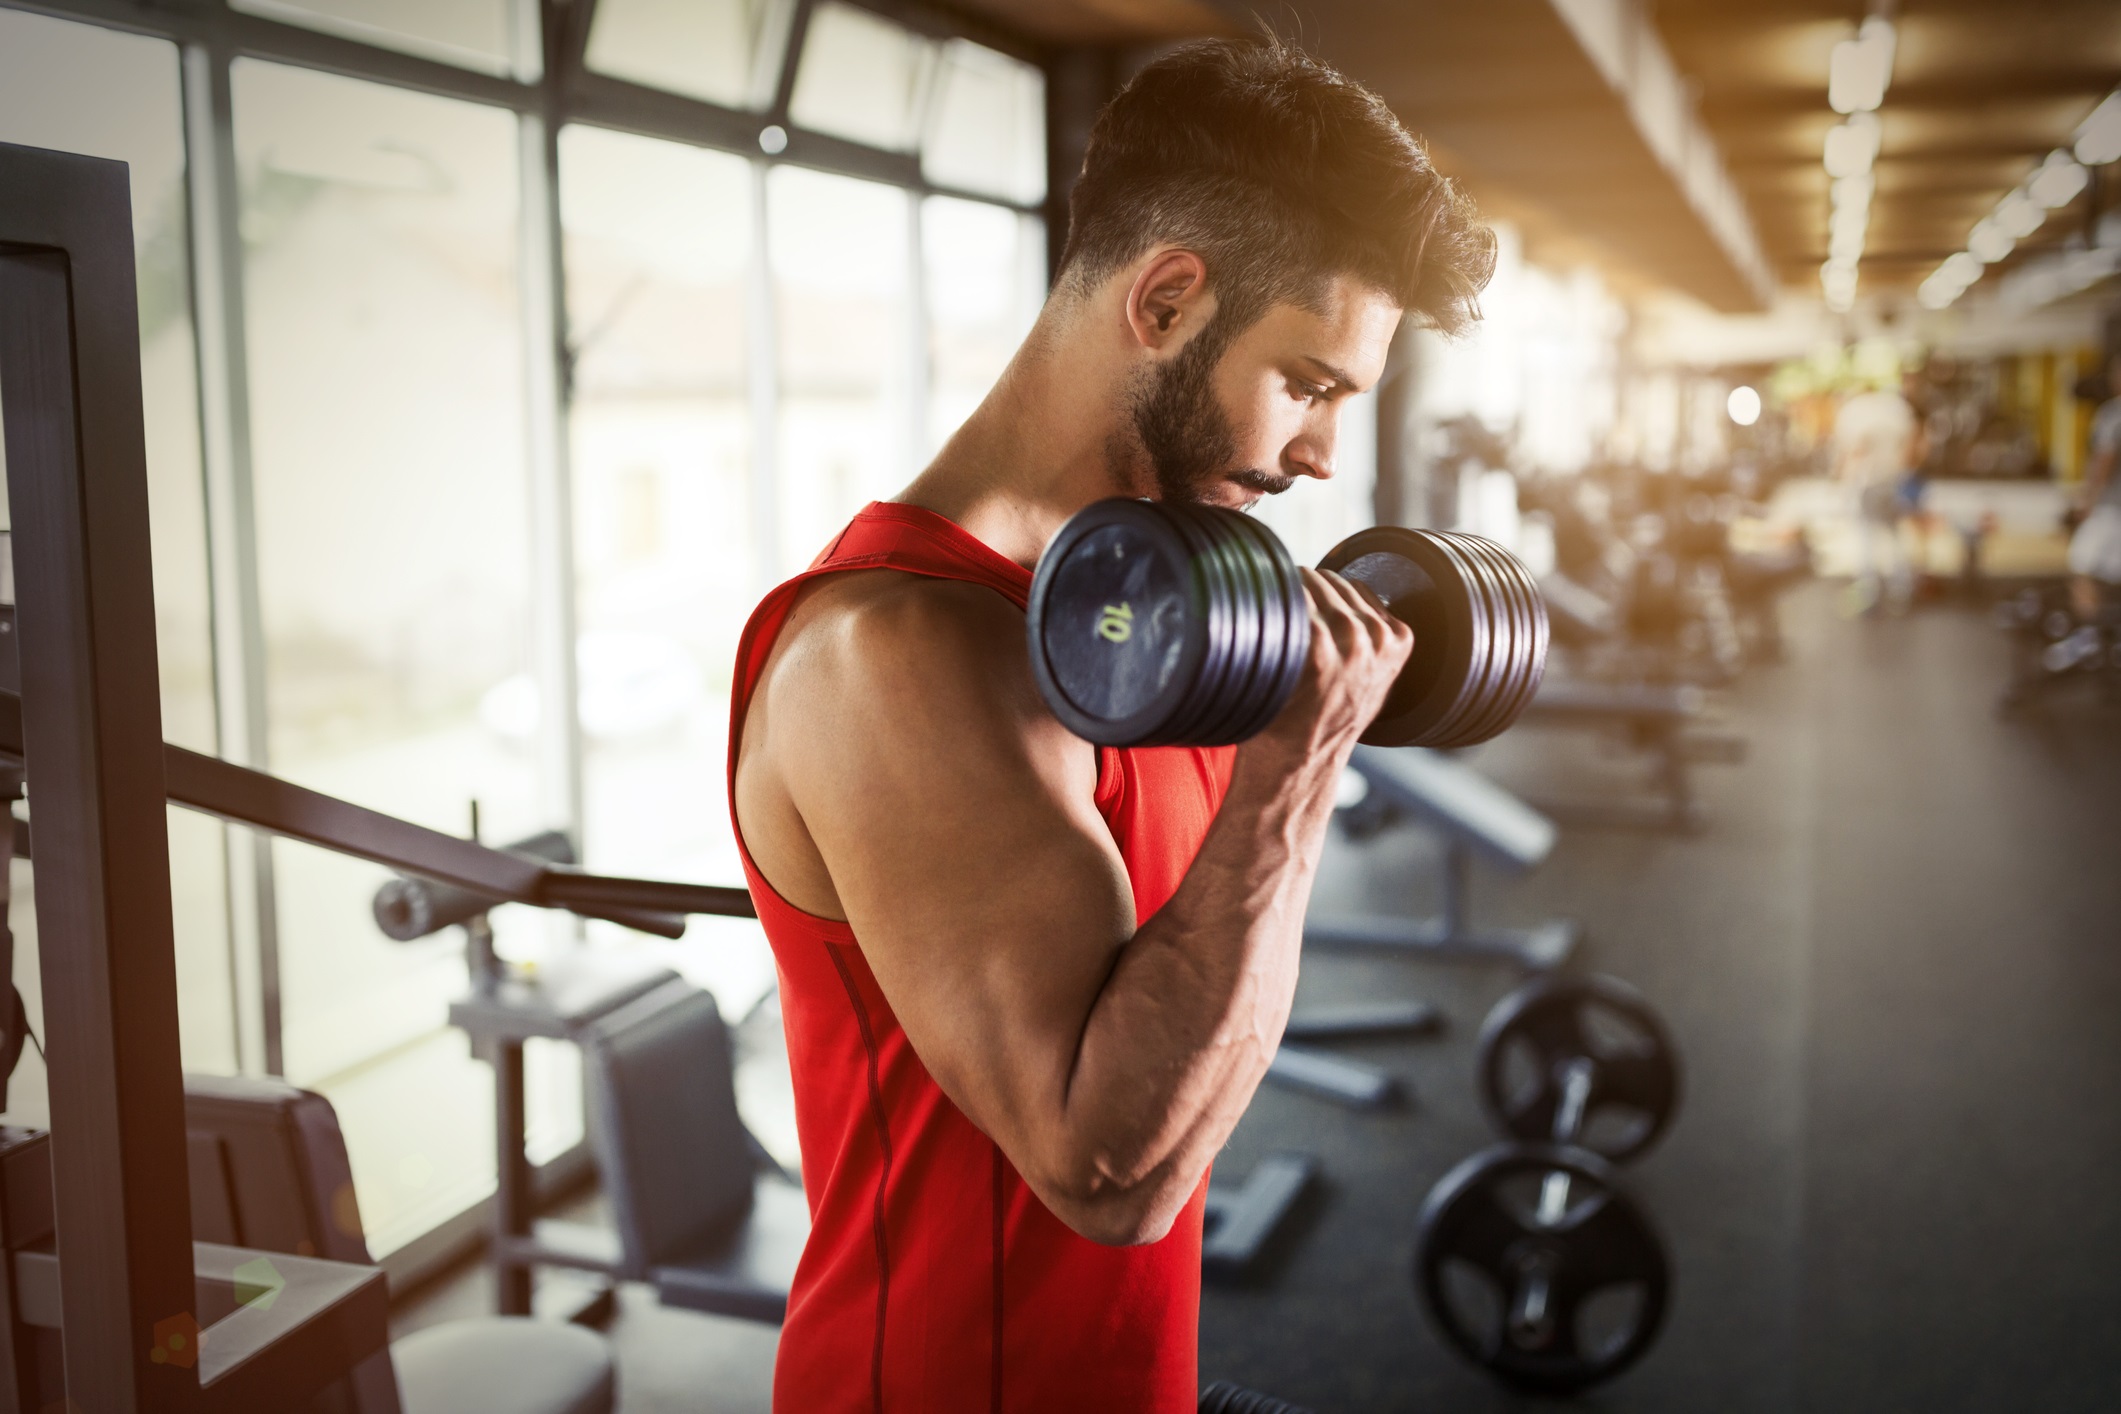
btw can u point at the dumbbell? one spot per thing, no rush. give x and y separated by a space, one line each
1154 623
1532 1262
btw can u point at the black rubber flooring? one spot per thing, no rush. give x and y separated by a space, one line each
1892 962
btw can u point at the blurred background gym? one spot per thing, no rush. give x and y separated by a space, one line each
498 355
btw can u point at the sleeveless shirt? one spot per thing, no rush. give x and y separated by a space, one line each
934 1280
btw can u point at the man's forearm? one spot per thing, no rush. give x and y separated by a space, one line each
1185 1026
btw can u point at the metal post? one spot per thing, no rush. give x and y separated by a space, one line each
763 387
511 1197
232 533
92 726
1457 888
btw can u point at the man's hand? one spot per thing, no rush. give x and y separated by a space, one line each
1357 651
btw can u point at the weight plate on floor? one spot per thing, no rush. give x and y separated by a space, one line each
1422 584
1537 1034
1535 1266
1118 623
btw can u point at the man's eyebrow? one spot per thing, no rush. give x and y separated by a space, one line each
1333 374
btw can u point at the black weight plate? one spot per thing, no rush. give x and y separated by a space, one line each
1546 1301
1512 640
1117 622
1485 625
1271 604
1185 726
1292 611
1224 725
1533 1036
1531 665
1423 585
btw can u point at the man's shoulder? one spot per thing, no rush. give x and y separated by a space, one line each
889 624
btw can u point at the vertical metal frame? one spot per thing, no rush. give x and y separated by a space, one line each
92 727
219 320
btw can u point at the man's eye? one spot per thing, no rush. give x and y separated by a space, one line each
1309 392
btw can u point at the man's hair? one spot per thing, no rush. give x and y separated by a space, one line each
1282 174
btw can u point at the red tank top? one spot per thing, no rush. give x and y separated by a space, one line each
934 1280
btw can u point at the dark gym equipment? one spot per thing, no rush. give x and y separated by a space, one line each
1157 623
1222 1397
1363 1020
1473 814
1531 1262
1241 1220
1662 720
269 1171
1582 1061
1355 1084
1533 1265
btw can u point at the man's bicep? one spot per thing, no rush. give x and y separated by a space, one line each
957 822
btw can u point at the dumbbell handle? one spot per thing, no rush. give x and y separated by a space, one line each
1568 1128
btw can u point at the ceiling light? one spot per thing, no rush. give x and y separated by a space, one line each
1860 68
1838 280
1989 242
2058 180
2020 215
1854 191
1935 295
2099 140
1845 245
1743 405
1961 269
1852 145
1848 222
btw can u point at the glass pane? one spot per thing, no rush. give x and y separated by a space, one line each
477 34
862 77
984 275
77 88
986 128
659 274
387 355
838 250
725 51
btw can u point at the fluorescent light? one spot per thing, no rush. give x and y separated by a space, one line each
2020 215
1852 145
1938 296
2058 180
1845 244
1854 191
2099 139
1961 269
1743 405
1989 242
1838 280
1860 68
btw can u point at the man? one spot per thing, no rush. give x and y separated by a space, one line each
1878 444
2095 546
1030 985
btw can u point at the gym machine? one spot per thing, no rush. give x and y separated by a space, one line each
1532 1262
108 1302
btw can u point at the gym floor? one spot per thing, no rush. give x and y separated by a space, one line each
1892 962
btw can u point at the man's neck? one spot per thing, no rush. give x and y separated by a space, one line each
1040 446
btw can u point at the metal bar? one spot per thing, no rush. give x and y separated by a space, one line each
511 1194
791 58
91 718
763 389
232 539
253 798
543 283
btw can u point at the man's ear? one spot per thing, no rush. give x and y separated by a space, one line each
1169 301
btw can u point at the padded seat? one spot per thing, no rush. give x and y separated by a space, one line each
504 1365
269 1172
695 1216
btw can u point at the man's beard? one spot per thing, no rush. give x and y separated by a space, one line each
1184 431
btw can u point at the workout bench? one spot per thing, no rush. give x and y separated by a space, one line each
1474 815
1659 718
